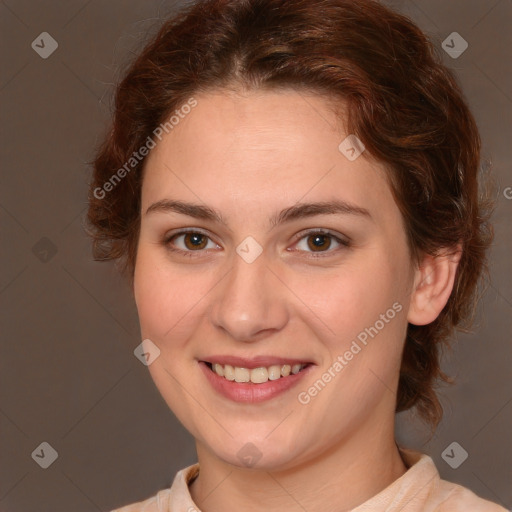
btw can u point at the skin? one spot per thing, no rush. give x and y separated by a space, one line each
249 155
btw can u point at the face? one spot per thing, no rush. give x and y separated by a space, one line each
253 282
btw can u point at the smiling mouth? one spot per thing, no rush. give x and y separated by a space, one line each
255 375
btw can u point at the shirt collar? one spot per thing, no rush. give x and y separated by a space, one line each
408 492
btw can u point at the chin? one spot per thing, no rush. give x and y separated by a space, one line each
257 453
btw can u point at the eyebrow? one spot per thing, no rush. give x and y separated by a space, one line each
297 211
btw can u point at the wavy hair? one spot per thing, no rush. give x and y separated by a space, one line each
399 99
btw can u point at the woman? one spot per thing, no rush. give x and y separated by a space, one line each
291 188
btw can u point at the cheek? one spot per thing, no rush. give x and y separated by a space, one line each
351 297
362 308
165 300
362 317
168 309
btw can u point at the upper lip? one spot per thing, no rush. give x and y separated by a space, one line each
253 362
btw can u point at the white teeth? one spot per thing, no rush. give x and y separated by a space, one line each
242 374
229 372
274 372
259 375
256 375
296 368
285 370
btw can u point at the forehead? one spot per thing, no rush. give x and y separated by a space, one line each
256 149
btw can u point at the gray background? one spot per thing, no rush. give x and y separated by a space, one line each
68 373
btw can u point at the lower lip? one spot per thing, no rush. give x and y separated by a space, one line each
248 392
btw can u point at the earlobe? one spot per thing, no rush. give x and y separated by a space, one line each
433 284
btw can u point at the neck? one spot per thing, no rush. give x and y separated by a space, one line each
338 480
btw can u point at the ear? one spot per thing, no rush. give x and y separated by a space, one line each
433 284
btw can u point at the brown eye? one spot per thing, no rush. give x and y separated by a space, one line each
195 241
189 242
319 242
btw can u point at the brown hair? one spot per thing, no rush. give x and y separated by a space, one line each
402 103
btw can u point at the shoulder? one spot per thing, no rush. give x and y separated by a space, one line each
455 498
157 503
423 489
177 497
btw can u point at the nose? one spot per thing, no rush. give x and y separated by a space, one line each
250 302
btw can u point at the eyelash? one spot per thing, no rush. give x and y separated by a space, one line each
191 254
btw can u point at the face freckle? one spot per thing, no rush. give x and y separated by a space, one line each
257 292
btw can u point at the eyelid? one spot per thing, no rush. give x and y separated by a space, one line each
183 231
344 241
338 237
323 231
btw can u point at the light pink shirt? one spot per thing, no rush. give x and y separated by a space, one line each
419 489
